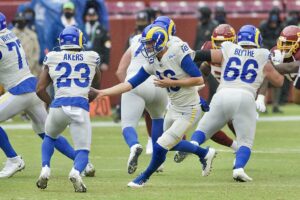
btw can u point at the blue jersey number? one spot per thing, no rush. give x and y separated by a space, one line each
247 75
169 73
65 81
16 44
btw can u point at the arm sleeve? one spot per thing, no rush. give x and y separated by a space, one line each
139 78
202 55
190 67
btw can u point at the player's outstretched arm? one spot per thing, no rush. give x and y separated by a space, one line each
272 75
44 81
123 65
286 68
139 78
213 55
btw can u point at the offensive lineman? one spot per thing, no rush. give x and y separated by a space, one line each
71 70
244 66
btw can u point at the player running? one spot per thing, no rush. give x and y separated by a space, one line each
20 96
71 70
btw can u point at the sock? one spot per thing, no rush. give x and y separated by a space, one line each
63 146
221 138
242 157
234 146
157 129
81 160
199 137
188 147
130 136
47 150
148 121
158 157
5 145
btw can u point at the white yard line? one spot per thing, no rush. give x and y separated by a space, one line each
7 125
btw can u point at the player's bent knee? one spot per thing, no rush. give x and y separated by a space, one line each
168 141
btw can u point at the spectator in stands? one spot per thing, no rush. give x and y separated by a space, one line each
98 39
67 19
293 18
142 19
270 31
29 41
220 15
205 28
30 17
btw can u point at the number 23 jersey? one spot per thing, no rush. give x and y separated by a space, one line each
243 68
72 72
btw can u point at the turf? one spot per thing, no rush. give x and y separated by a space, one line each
274 166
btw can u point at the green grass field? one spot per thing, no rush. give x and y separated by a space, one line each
274 166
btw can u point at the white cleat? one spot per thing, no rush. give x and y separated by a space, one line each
89 170
207 161
135 185
135 152
12 166
239 175
76 179
43 178
149 147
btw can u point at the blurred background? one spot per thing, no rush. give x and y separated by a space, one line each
109 24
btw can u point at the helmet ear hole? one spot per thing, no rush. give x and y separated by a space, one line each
71 38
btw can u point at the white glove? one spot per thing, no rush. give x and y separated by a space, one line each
260 103
277 57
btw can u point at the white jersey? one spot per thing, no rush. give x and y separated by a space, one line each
170 66
72 72
13 64
243 68
137 59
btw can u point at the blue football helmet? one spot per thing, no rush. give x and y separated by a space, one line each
154 40
249 35
71 38
167 23
2 21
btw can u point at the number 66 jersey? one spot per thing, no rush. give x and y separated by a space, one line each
72 73
243 68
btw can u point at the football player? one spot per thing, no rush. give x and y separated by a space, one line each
71 70
20 96
244 67
178 74
288 50
134 102
143 95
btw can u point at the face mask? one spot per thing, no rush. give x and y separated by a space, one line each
69 15
141 28
92 22
21 25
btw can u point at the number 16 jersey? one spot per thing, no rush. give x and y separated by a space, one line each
243 68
